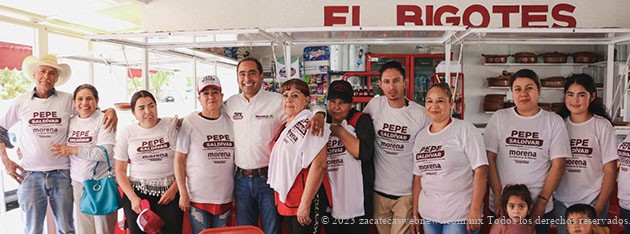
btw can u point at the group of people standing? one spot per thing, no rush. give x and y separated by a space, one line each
276 158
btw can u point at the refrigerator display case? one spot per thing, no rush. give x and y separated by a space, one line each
419 69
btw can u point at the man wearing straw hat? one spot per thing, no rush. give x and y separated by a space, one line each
43 115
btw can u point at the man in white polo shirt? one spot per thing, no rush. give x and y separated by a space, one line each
397 121
257 117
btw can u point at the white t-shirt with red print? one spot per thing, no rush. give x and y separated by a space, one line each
445 161
43 122
593 144
623 179
346 178
525 147
396 130
209 145
151 151
89 132
294 150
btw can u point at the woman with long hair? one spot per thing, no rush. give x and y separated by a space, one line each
590 174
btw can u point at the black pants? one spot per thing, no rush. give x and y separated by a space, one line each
317 211
170 214
342 226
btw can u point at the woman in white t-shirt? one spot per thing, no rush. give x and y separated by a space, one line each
87 160
590 174
450 170
148 149
204 160
526 145
297 165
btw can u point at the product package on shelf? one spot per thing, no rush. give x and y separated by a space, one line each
318 84
281 73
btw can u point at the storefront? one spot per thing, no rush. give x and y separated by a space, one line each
192 38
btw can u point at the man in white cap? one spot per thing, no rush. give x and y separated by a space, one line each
43 115
204 160
257 118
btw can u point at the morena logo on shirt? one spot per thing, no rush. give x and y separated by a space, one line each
575 165
237 116
45 117
264 116
297 131
524 138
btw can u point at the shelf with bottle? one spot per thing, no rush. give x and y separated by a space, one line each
540 64
318 85
362 84
543 88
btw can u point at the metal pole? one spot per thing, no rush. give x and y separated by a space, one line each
145 67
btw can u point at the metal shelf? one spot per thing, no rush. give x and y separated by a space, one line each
538 64
544 88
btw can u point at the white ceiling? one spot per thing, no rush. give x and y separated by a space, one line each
83 16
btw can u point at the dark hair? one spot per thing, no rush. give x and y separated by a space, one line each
258 64
297 84
85 86
519 190
525 73
444 87
138 95
582 209
595 107
392 65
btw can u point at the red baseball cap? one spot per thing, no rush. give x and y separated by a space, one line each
148 221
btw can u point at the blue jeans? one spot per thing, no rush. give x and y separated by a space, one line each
431 227
253 195
560 210
625 215
201 219
36 190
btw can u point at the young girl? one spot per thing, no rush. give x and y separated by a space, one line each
589 175
516 202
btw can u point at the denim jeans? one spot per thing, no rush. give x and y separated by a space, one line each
253 196
625 215
36 190
201 219
560 210
431 227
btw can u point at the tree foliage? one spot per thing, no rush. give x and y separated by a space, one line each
13 83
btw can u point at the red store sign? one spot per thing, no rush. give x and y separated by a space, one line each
474 16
